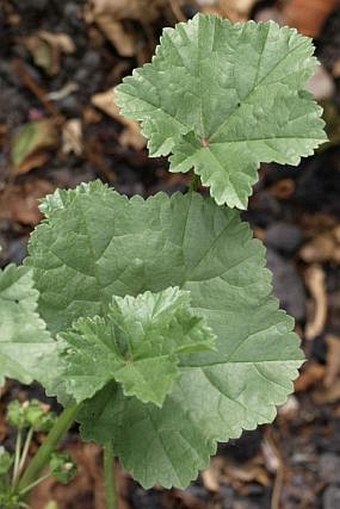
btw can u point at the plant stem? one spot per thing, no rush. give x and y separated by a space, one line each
25 450
194 183
18 445
35 483
43 455
109 477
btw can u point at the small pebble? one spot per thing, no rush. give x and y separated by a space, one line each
283 237
331 498
329 467
287 284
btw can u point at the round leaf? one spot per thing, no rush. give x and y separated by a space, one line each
222 98
97 244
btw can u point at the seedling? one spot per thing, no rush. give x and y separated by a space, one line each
29 417
152 321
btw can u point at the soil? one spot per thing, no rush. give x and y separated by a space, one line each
294 463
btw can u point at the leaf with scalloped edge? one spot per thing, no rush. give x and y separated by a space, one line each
98 244
25 344
222 98
138 343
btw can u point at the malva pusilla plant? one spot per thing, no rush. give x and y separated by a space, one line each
152 320
29 418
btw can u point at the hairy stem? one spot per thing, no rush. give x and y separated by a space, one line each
43 455
25 450
18 446
109 477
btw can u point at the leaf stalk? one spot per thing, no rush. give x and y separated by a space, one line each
110 477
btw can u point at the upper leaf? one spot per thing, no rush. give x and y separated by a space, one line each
25 344
98 244
222 98
137 343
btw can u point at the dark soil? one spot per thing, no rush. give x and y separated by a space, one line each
296 460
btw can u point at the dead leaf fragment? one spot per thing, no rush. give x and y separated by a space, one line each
336 69
19 203
108 15
61 41
131 135
46 49
40 52
324 247
333 360
311 376
141 10
27 145
327 394
315 281
212 475
122 39
235 10
251 471
65 91
308 16
88 482
72 142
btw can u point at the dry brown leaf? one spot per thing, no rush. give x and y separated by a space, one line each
29 142
308 16
333 360
31 162
187 500
251 471
3 132
324 247
336 69
315 281
270 454
109 14
316 223
19 203
141 10
91 115
212 475
41 53
65 91
72 137
46 49
131 135
87 484
123 40
235 10
58 40
283 189
327 394
312 375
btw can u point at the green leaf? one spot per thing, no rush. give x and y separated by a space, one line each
222 98
127 247
25 344
6 461
137 343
